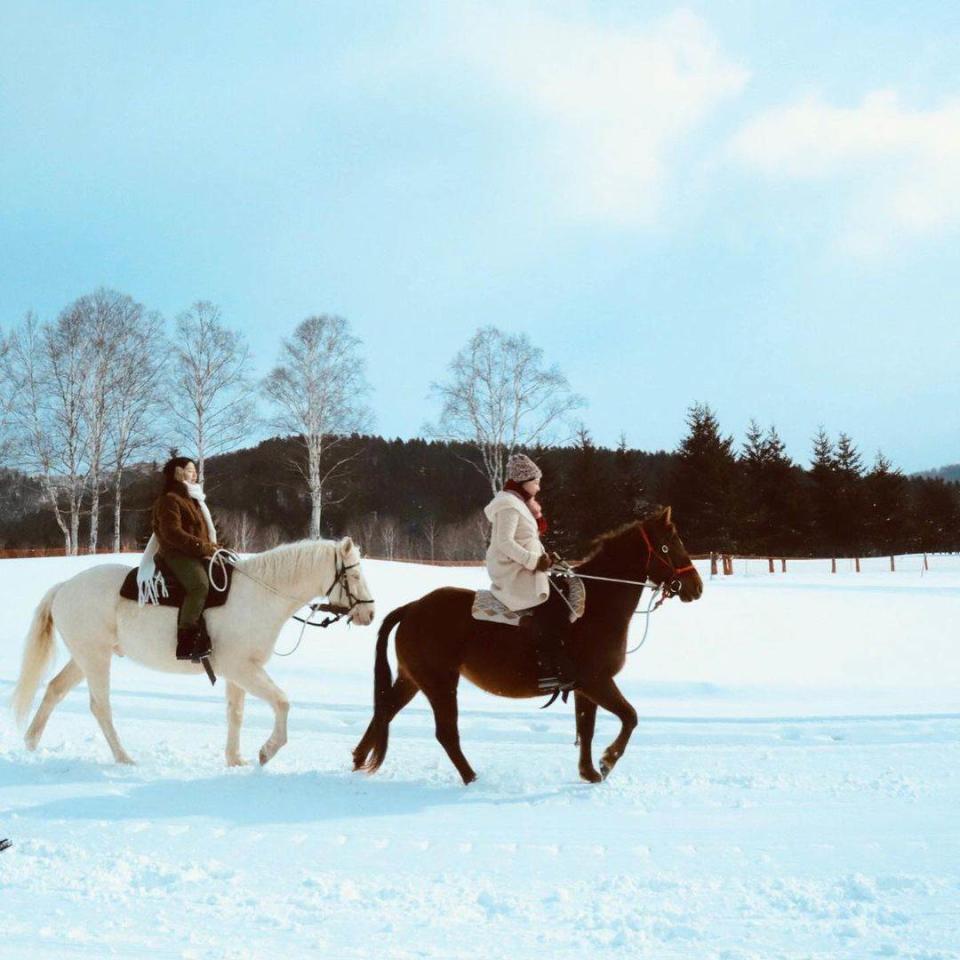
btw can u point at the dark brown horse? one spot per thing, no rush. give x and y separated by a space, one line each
439 641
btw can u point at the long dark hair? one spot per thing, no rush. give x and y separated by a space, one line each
170 481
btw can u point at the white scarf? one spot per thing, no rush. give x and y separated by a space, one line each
150 583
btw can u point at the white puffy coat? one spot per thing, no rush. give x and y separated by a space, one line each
513 553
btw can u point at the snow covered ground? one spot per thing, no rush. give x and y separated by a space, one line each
792 791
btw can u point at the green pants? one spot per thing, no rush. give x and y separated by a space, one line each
192 574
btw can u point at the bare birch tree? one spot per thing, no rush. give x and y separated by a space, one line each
317 391
500 396
45 368
107 321
140 367
210 400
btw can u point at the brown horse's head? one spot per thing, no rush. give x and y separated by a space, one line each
669 562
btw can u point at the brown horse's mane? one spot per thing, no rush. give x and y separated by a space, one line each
598 544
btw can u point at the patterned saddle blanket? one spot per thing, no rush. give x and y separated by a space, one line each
174 592
488 608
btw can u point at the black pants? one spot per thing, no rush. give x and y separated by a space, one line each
551 623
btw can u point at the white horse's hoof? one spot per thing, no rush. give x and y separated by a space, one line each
129 761
237 762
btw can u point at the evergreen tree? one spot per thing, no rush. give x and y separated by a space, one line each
771 496
821 530
849 513
704 484
886 519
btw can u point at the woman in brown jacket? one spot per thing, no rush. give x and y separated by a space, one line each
185 538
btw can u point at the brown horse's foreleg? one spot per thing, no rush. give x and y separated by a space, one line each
401 693
586 711
443 699
605 693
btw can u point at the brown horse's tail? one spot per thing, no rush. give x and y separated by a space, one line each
38 652
376 738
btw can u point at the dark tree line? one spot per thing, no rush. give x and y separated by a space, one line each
756 500
423 499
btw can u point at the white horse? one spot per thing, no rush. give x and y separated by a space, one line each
96 623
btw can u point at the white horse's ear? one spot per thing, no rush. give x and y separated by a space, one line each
666 514
346 546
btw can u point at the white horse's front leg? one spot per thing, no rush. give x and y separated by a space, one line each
254 680
235 698
97 670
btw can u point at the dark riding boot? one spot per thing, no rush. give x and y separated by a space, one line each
187 641
201 644
557 671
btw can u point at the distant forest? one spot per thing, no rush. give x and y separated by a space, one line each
93 399
423 499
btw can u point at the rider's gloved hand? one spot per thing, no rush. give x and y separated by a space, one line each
544 563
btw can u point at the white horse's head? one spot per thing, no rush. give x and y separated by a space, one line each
350 590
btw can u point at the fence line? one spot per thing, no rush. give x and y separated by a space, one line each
723 562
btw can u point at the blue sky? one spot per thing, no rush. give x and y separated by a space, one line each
750 204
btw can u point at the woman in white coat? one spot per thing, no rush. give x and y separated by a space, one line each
518 563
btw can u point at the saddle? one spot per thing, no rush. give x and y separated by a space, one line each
488 608
175 592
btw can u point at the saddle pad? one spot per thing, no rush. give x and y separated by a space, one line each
487 607
214 598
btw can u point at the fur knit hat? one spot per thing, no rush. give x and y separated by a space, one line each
521 468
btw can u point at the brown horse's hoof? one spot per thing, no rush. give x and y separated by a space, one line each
469 779
591 776
605 769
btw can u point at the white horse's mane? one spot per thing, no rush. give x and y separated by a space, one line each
289 561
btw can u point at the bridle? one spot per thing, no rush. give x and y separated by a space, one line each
674 586
343 581
669 587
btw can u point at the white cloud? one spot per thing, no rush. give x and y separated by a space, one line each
898 169
608 103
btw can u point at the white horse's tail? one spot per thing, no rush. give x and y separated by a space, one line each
37 654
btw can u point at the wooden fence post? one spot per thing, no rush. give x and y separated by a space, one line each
770 563
833 564
713 563
727 565
893 565
783 564
857 564
926 566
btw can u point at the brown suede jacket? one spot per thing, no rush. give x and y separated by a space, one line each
180 527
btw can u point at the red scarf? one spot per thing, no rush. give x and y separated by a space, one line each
512 486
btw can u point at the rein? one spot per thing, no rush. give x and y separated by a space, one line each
665 590
222 557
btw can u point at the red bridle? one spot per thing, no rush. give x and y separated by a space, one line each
663 555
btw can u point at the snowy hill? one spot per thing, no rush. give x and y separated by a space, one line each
791 792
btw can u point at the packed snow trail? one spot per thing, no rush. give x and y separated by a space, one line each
791 791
